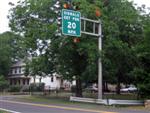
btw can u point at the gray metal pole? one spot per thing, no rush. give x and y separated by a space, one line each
100 63
99 35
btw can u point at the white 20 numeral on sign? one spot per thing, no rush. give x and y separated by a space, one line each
72 25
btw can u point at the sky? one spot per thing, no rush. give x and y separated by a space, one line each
4 8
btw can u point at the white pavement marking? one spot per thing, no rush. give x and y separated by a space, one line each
9 110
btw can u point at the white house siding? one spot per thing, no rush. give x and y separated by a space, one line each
16 77
53 84
49 83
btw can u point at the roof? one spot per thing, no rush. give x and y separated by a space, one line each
19 76
18 64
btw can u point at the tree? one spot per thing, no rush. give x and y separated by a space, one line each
141 70
9 50
3 83
37 21
118 62
39 66
122 31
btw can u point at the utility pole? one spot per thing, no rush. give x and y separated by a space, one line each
99 36
100 84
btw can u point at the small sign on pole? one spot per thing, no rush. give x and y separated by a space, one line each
71 23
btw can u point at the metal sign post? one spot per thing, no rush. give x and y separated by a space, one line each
98 34
71 25
100 90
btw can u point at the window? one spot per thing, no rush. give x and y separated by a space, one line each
11 71
18 82
20 70
24 81
27 81
11 82
52 79
15 70
15 82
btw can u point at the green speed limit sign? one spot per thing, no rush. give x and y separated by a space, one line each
71 24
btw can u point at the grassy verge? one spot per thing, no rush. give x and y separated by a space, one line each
60 101
125 96
63 100
3 111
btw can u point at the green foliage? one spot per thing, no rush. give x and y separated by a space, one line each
123 27
15 88
73 89
123 30
40 66
37 87
9 51
5 53
117 61
25 88
142 69
3 83
33 19
37 22
36 26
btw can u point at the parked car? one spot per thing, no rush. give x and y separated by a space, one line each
91 89
131 88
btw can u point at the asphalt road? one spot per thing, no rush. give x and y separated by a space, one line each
22 107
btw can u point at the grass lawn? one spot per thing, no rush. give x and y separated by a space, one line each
3 111
62 99
60 102
125 96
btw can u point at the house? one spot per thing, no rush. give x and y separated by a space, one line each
17 76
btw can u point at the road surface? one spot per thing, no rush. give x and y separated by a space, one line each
24 107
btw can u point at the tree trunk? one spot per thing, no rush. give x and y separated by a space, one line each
78 91
118 83
34 79
118 88
40 79
105 86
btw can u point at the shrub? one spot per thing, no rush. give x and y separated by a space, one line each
37 87
73 88
3 83
14 88
25 88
